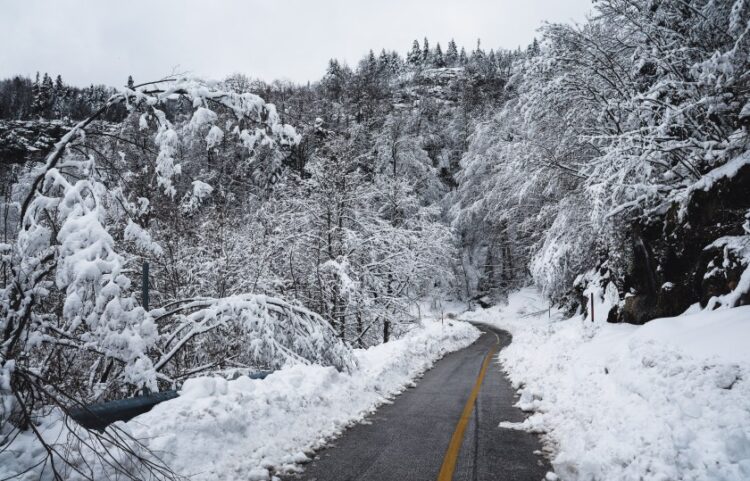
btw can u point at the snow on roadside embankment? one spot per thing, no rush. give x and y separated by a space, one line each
669 400
247 429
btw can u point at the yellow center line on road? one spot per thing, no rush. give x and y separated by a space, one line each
451 455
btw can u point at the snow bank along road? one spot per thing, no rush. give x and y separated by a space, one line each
669 400
419 436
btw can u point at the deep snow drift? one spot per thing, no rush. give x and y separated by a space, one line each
669 400
249 429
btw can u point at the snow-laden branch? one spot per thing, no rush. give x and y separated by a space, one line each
262 330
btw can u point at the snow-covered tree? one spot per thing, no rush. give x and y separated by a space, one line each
463 59
414 57
70 300
437 57
451 54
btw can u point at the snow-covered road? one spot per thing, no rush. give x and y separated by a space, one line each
411 438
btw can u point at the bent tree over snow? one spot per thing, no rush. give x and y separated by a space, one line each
249 330
72 328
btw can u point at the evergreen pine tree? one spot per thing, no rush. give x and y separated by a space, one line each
395 63
131 84
533 49
451 55
59 94
426 52
89 96
462 58
333 81
489 64
477 56
334 68
36 99
44 98
437 58
372 64
414 57
47 86
384 62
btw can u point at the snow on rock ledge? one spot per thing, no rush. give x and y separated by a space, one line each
249 429
668 400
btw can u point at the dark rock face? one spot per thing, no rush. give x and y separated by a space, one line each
674 264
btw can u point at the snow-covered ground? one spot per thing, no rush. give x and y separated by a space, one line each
250 429
241 429
669 400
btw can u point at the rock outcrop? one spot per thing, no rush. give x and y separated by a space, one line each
691 253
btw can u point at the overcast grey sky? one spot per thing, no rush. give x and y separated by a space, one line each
103 41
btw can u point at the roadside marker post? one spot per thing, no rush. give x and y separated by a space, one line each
144 285
592 307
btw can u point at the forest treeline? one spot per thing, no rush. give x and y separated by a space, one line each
22 98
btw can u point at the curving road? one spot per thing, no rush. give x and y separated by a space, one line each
435 432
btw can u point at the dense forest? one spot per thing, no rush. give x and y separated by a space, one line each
611 154
22 98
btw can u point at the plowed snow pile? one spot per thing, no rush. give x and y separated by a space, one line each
669 400
248 429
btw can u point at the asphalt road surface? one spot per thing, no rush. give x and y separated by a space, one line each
435 432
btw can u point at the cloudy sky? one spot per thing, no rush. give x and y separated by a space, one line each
103 41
